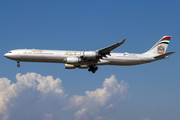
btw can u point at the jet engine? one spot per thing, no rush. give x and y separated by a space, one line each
90 54
83 66
73 60
70 66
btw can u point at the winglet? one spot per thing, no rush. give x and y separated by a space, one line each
122 41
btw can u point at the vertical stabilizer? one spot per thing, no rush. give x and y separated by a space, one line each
160 47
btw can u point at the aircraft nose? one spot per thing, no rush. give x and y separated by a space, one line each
6 55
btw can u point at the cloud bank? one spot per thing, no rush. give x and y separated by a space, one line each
38 97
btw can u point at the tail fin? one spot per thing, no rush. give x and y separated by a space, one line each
160 47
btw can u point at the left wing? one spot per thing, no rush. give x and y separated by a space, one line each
105 51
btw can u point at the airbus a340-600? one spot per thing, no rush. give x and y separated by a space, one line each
91 59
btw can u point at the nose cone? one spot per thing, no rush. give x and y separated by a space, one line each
5 55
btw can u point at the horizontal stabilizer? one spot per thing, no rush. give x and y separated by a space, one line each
163 55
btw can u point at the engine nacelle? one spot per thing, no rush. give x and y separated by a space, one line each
70 66
73 60
90 54
83 66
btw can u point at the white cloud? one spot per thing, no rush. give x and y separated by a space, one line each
93 101
48 117
98 118
146 119
109 106
38 97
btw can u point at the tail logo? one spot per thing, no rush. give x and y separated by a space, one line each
160 49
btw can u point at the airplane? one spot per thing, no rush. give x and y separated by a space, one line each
91 59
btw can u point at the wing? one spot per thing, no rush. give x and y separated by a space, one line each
105 51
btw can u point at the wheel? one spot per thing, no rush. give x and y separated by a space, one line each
89 69
92 68
18 65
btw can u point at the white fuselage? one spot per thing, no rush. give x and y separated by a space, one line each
91 59
58 56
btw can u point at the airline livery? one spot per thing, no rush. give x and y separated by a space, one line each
91 59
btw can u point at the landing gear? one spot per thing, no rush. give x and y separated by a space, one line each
93 68
18 65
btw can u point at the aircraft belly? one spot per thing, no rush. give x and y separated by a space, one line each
126 62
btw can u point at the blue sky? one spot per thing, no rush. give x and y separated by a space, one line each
149 91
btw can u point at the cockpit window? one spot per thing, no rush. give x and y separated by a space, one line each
9 52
